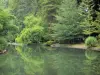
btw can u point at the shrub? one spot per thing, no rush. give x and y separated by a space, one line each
98 37
33 31
91 42
48 43
3 43
30 35
7 28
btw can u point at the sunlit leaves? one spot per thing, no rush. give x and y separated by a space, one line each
33 31
32 21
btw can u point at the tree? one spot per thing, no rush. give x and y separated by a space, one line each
49 8
21 8
91 12
3 4
6 27
33 31
68 21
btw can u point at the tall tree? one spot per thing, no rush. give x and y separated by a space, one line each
3 4
49 8
91 11
22 8
68 20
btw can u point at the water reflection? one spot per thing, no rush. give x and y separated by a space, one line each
90 64
39 60
33 59
91 55
11 66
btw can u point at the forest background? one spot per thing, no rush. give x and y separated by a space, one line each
49 21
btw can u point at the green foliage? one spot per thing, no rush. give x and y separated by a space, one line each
3 4
90 10
3 43
49 9
32 21
30 35
6 26
48 43
98 38
33 31
91 41
52 20
67 26
89 26
20 8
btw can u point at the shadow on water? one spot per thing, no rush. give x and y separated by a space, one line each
40 60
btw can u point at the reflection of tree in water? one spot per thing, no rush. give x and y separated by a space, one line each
63 63
91 66
33 59
2 60
96 66
12 65
91 55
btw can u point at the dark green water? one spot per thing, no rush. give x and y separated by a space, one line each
37 60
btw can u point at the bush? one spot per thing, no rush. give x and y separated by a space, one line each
91 42
7 28
98 37
31 35
3 43
33 31
48 43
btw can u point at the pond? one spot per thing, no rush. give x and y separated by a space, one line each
40 60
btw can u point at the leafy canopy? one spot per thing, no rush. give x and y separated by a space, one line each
67 26
6 27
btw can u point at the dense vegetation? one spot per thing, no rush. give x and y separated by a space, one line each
39 21
7 28
31 24
91 42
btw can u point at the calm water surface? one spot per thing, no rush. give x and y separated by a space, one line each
38 60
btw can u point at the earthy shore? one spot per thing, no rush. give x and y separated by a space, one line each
77 46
